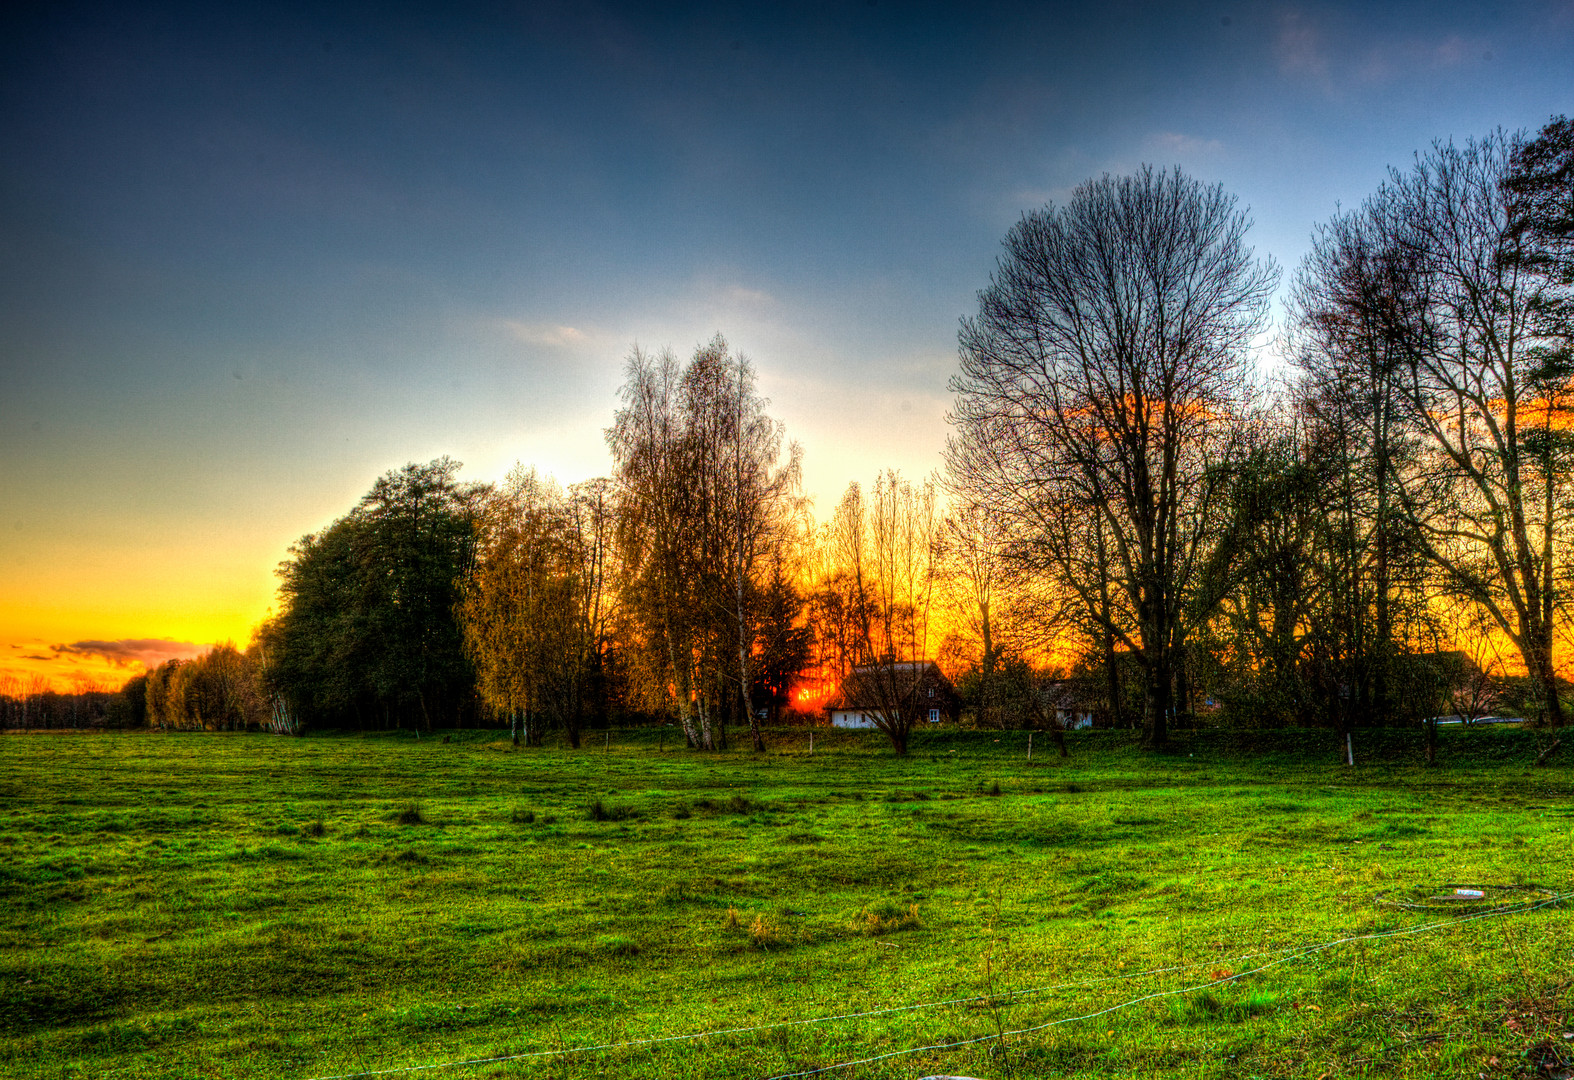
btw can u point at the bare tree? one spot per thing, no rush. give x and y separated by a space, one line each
1104 380
707 493
882 563
972 571
1478 384
1349 306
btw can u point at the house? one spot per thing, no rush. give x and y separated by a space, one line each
1065 702
916 688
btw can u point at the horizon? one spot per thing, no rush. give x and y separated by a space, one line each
260 257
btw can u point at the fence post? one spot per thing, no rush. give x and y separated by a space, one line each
1030 746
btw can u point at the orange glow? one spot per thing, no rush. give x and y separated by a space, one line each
31 665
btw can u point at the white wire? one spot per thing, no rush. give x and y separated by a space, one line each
1297 950
1309 951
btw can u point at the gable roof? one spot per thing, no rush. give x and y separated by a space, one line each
877 686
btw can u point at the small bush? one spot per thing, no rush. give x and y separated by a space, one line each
994 789
410 815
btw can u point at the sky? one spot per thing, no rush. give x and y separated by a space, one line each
253 257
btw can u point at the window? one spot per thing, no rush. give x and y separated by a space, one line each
934 716
931 691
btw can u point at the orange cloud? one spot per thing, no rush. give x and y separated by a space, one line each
148 652
31 666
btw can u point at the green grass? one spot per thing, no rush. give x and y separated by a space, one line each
253 906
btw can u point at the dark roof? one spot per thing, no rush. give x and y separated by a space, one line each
873 686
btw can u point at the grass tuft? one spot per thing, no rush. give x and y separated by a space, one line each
410 814
764 934
887 917
604 811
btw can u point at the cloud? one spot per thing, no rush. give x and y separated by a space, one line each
749 296
1335 56
36 656
145 651
544 333
1299 48
1453 51
1173 142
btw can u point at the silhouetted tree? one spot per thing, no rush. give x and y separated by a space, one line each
1103 382
368 631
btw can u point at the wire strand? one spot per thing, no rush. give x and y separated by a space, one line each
1303 954
1296 951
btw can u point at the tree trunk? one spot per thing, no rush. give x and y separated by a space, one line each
1546 677
1157 704
898 738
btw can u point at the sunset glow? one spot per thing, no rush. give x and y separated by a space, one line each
253 264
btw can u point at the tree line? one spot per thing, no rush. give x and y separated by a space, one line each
1135 517
1354 548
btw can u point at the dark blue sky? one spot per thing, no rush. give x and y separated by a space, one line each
253 257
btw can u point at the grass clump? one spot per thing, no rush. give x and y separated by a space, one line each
315 827
887 917
521 816
764 934
617 945
605 811
410 814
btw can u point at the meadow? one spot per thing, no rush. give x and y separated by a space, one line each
241 906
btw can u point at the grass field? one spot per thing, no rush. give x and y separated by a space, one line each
255 906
